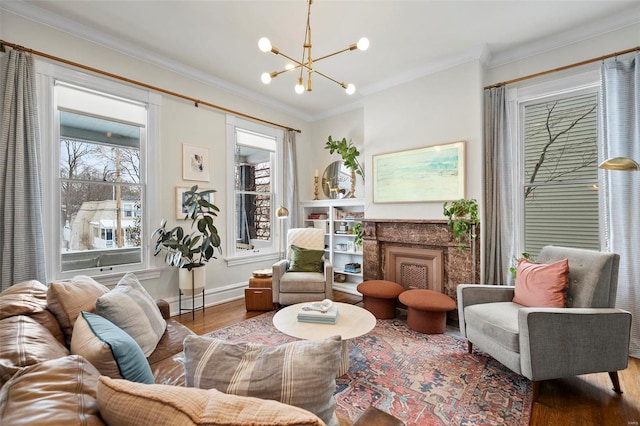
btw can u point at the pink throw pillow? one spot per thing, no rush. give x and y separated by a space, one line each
541 284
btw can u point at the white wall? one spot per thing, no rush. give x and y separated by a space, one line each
180 123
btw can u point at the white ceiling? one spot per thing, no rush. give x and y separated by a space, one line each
216 41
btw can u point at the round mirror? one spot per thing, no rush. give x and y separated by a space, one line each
336 180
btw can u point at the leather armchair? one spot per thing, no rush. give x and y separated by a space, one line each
298 287
588 336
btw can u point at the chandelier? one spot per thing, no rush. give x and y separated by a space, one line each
307 63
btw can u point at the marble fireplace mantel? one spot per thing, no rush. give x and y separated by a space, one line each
432 258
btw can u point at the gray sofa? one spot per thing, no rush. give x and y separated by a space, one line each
590 335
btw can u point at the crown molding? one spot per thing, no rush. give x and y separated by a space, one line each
479 52
60 23
575 35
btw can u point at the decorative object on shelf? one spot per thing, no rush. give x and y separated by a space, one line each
308 63
433 173
190 252
463 219
315 185
195 163
354 268
336 180
357 232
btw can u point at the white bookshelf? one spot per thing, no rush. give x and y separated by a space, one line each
340 249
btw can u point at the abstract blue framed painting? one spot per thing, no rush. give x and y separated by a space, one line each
432 173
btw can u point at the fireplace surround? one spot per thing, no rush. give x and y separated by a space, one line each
418 254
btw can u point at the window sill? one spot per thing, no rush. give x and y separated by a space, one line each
251 258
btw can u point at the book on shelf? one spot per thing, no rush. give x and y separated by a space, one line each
317 216
354 216
352 267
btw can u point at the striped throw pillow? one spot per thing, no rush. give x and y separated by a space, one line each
131 308
300 373
124 403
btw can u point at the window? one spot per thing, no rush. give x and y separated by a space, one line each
95 178
559 174
255 149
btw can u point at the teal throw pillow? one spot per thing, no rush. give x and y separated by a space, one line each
130 360
305 260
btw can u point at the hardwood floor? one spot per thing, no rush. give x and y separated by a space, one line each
576 401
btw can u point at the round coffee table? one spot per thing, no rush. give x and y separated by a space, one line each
353 321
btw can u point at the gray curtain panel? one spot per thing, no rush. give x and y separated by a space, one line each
291 180
21 238
500 193
621 105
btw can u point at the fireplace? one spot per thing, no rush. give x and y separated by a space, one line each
418 254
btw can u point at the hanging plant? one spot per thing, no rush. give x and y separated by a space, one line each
463 216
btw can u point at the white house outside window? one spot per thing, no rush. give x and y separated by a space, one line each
95 153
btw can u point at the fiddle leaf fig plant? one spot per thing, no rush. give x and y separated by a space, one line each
191 250
348 152
462 215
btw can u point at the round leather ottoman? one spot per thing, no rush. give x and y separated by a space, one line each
379 297
427 310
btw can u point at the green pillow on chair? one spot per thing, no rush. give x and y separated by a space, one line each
305 260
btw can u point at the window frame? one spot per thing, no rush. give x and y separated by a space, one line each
267 253
518 98
46 76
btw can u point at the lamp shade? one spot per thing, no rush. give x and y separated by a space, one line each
282 213
620 163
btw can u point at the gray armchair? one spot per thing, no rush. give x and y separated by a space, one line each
298 287
588 336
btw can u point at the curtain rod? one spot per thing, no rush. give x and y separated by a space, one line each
565 67
196 102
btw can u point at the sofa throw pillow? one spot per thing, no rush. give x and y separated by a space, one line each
131 308
112 351
541 284
131 404
67 298
24 342
56 392
305 260
300 373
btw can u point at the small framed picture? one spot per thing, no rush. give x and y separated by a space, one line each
181 198
195 163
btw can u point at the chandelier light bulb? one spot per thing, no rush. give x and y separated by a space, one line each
265 45
299 88
265 77
289 67
351 89
363 44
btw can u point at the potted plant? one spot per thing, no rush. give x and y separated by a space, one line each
357 233
348 152
463 218
190 251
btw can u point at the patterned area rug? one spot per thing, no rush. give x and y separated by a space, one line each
421 379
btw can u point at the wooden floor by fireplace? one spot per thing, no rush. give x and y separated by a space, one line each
579 401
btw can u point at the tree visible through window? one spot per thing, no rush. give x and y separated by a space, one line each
560 173
100 181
